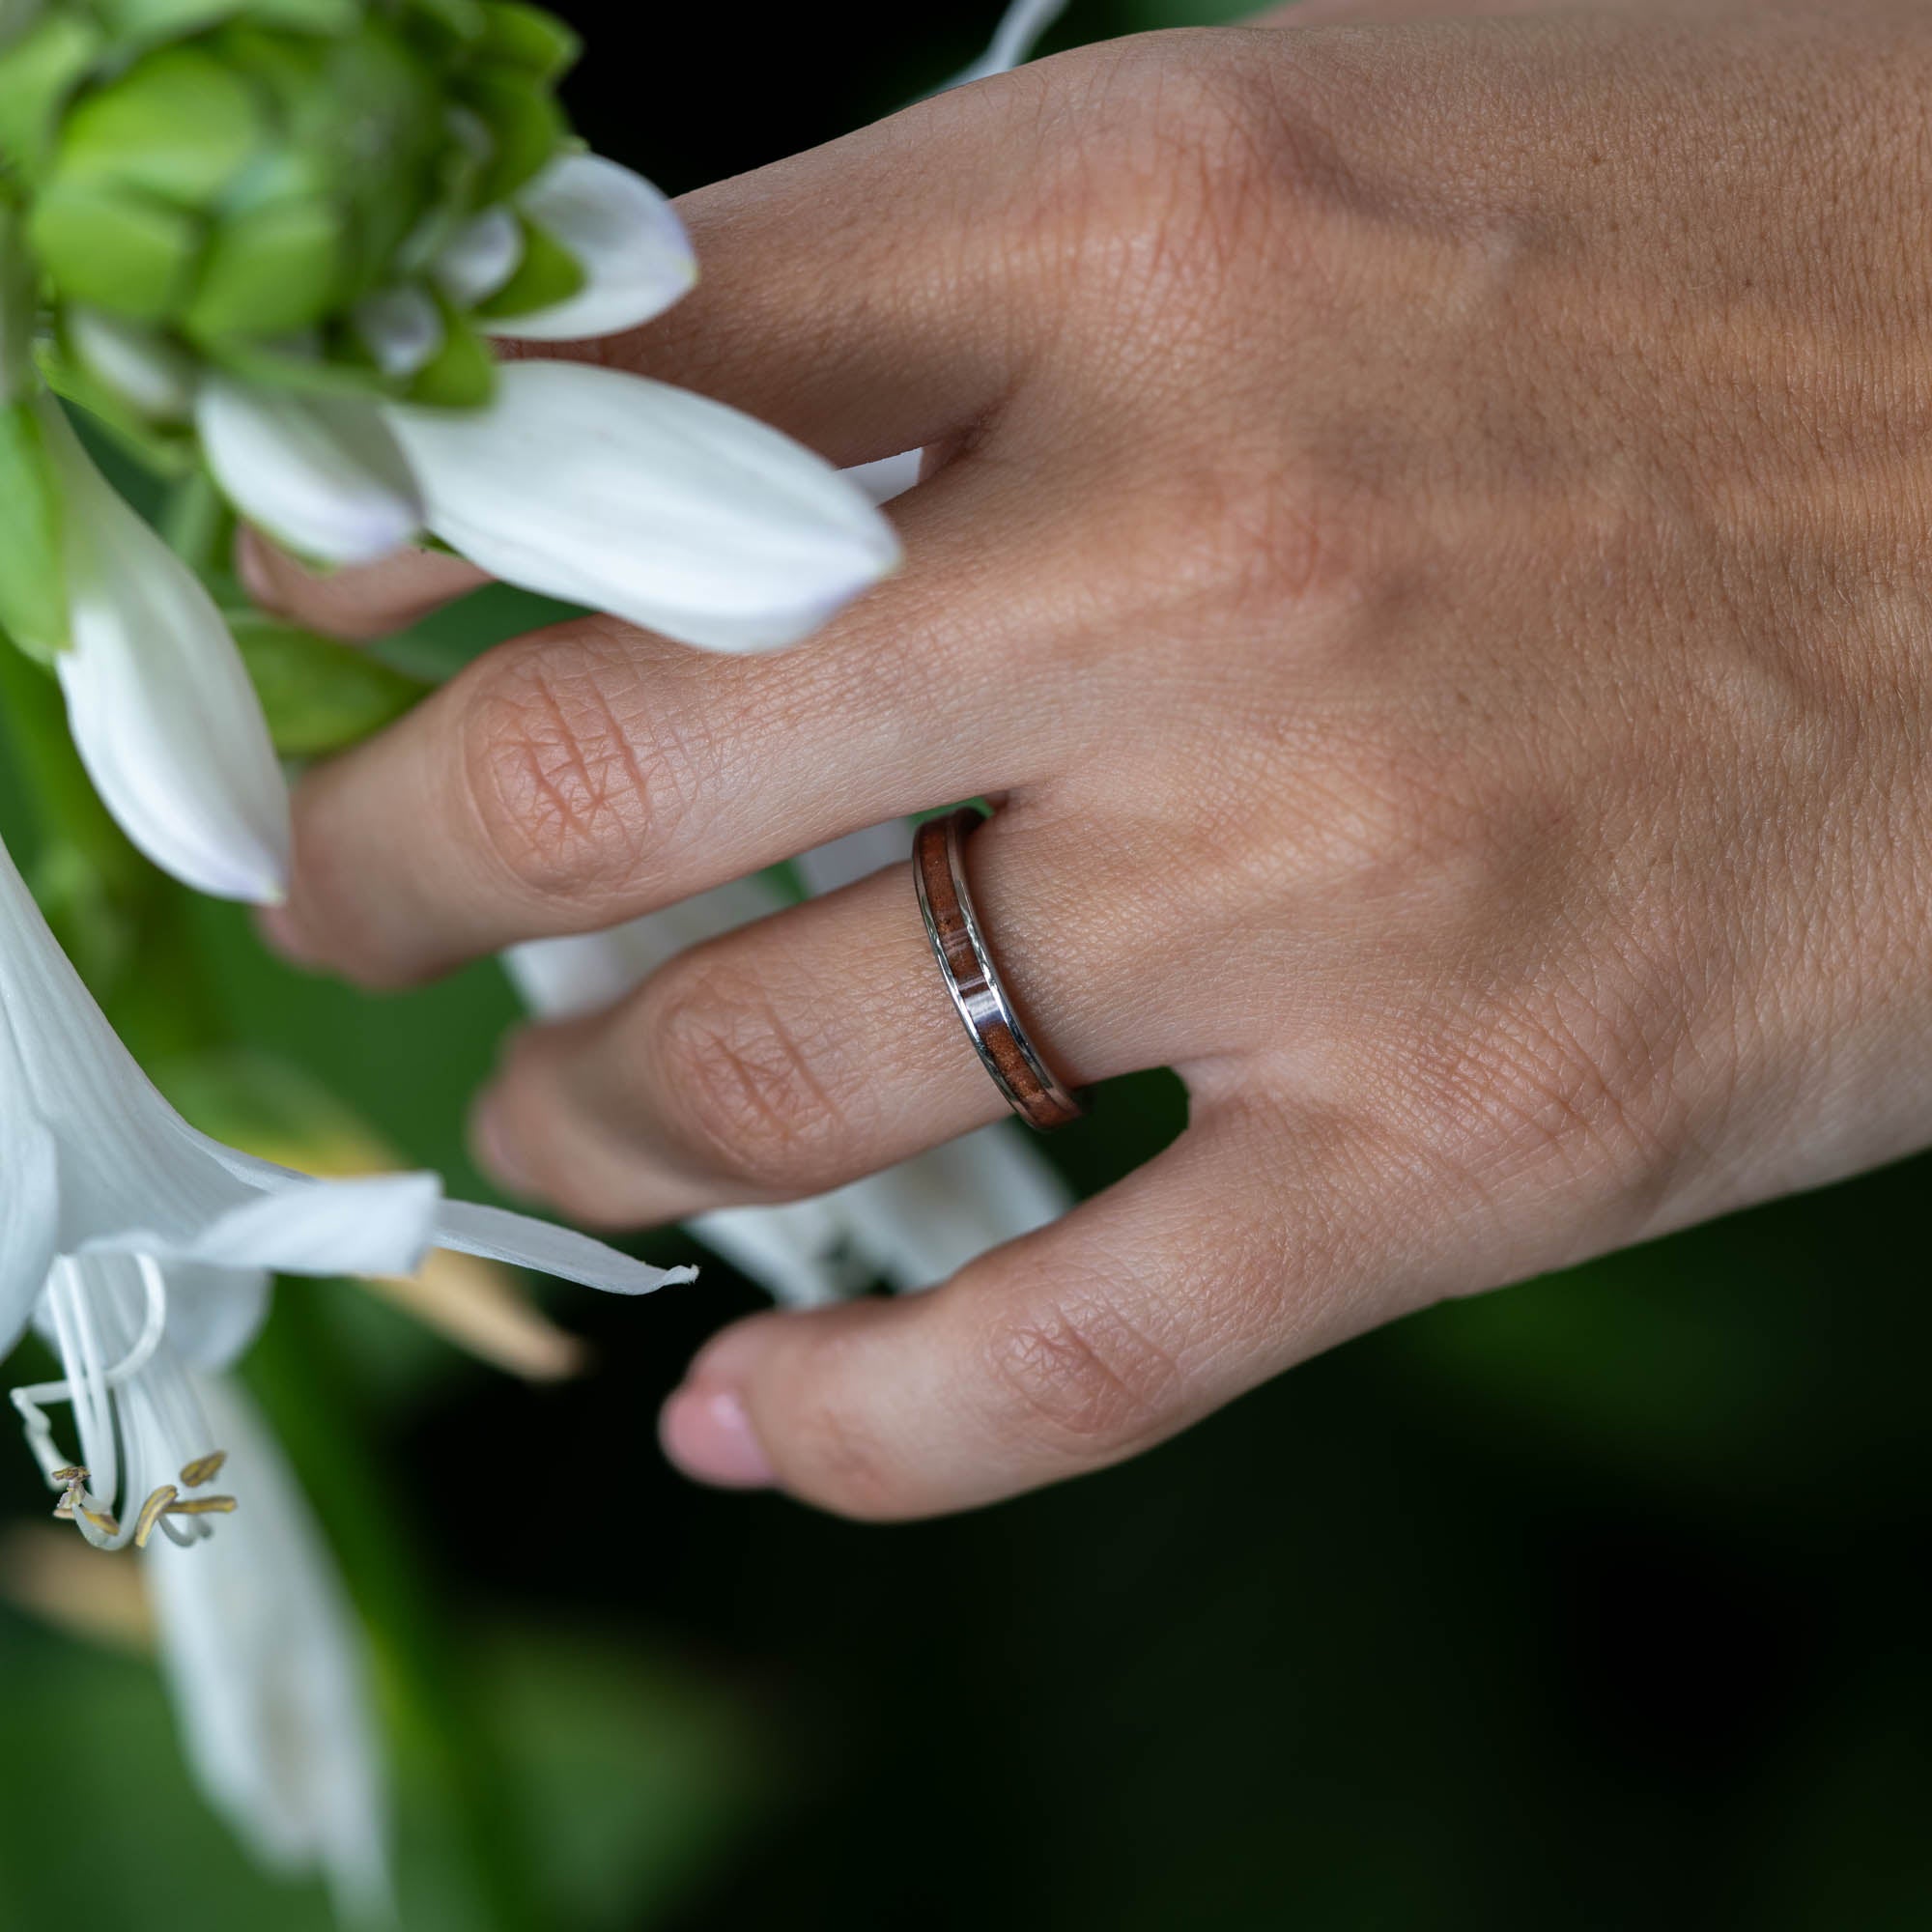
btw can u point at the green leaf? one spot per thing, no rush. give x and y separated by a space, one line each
462 374
38 74
180 126
298 364
529 39
270 270
525 125
18 302
548 274
331 17
148 23
458 20
320 695
162 451
33 586
130 256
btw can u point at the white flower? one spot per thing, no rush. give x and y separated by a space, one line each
94 1161
622 233
319 472
647 501
912 1225
162 710
266 1667
262 1653
1014 40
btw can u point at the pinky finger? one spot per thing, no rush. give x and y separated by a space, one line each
1204 1273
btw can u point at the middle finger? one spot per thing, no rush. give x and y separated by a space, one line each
591 773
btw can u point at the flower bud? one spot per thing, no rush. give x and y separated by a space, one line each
237 180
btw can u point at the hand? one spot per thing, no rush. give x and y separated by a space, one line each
1430 533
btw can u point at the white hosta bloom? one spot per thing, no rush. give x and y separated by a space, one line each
610 490
262 1653
321 473
909 1227
1013 40
622 233
268 1672
649 502
94 1161
160 706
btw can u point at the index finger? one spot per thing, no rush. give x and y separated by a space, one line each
811 313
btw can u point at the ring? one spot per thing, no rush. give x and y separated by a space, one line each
1033 1091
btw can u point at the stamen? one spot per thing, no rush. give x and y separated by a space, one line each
203 1469
152 1512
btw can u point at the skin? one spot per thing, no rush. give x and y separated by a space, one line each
1427 539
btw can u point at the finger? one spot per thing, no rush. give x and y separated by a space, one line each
810 1048
865 297
366 603
1250 1244
862 297
589 774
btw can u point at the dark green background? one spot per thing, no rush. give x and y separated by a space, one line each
1588 1604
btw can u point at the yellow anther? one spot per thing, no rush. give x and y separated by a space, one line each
203 1469
203 1506
152 1512
74 1474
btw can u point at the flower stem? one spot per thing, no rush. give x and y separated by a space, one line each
297 1373
196 523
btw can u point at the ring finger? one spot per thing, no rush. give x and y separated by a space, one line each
821 1044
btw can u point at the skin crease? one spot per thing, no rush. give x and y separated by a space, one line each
1432 546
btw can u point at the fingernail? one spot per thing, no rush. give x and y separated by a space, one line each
281 933
496 1150
707 1433
251 566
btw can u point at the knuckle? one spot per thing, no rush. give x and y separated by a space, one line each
1365 808
575 784
1083 1379
1580 1086
750 1090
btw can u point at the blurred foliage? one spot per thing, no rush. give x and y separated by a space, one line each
1588 1604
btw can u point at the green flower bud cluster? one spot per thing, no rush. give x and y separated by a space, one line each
226 182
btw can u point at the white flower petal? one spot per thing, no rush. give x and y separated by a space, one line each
323 474
402 329
622 233
1014 40
502 1237
583 972
375 1224
910 1226
29 1203
138 365
133 1176
162 713
800 1253
924 1219
648 502
829 868
268 1673
888 477
479 258
214 1313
